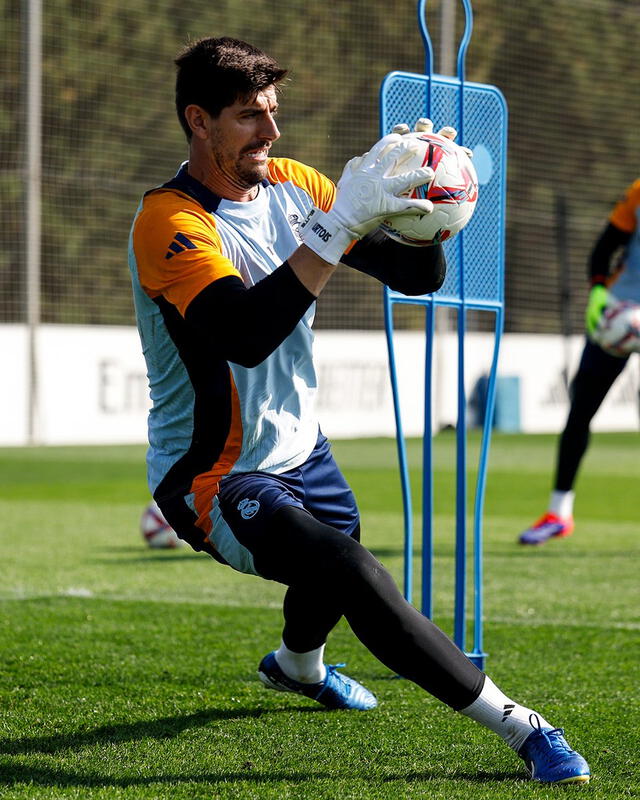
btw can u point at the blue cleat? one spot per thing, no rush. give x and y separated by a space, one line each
335 691
549 758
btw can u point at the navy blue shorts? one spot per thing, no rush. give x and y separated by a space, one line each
246 502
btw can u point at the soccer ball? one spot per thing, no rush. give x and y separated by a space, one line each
453 192
618 331
155 529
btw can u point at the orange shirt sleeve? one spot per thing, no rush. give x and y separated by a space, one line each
177 248
623 215
320 189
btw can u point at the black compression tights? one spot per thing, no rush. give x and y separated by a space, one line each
594 378
330 575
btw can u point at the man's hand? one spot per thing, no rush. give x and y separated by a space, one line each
367 195
599 298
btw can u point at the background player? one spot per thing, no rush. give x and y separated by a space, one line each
227 260
612 278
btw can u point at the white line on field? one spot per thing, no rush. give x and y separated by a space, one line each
88 594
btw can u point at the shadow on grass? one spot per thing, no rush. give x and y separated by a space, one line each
167 728
164 728
42 776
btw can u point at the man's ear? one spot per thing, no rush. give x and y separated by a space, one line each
198 120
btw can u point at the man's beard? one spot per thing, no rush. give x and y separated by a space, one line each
243 173
250 175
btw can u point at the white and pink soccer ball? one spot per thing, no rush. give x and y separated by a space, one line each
618 331
155 529
453 192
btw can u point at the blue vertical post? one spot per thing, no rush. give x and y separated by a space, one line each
426 575
475 280
407 505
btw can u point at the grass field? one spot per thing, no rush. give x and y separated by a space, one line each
131 673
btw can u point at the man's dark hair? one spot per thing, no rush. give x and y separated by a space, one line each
215 73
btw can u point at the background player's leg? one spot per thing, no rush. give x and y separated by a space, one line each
596 373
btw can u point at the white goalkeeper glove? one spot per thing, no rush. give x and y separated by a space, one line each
366 195
424 125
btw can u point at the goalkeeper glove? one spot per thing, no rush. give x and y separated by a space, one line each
366 195
424 125
596 304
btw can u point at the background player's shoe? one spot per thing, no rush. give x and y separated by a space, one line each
549 526
549 758
335 691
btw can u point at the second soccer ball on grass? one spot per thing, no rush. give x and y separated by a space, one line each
155 529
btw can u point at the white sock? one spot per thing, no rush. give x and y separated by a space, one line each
561 503
304 667
496 711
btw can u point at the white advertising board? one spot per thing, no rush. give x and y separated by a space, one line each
354 391
92 387
14 394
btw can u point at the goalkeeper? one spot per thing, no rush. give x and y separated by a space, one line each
614 274
227 260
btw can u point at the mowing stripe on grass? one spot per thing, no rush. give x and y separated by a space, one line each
87 594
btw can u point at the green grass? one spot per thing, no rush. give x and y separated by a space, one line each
129 673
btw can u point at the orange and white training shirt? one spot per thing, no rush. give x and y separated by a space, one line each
626 217
210 417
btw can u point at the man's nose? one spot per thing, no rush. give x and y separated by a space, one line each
269 128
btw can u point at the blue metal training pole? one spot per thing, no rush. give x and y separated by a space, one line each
475 280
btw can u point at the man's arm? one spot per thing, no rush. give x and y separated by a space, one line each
410 270
607 245
600 269
310 269
248 324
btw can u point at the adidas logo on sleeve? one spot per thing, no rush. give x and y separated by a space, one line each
179 244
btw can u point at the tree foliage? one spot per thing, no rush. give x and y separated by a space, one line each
567 70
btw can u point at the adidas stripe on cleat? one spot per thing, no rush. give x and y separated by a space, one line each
336 691
549 758
549 526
